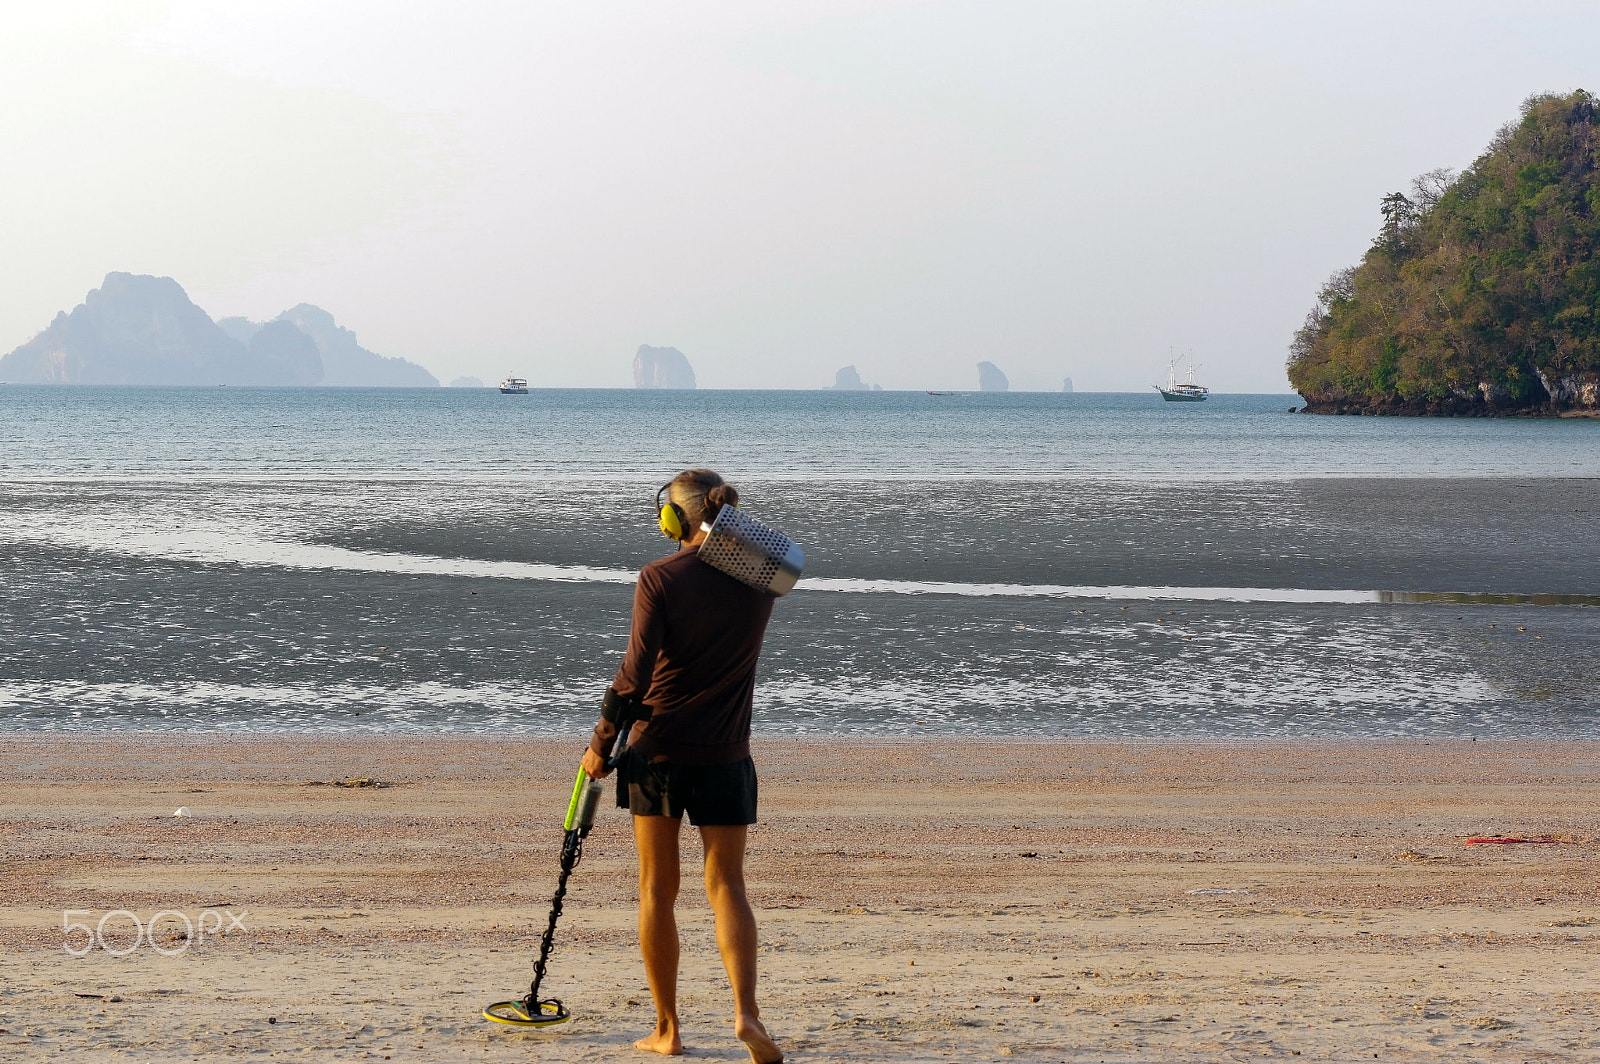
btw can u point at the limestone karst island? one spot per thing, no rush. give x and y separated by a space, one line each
1481 293
137 329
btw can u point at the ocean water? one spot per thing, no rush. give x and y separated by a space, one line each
609 435
247 560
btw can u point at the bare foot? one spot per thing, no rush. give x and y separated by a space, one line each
763 1050
665 1042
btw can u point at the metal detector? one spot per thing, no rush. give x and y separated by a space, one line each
532 1010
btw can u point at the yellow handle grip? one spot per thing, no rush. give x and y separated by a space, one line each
578 787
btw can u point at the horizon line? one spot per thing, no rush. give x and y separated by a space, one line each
936 392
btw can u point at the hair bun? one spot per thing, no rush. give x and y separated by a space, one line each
721 495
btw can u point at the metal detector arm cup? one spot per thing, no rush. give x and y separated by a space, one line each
624 713
618 750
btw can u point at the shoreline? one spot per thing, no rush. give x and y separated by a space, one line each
364 746
918 900
821 743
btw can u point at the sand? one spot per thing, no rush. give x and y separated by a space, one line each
918 902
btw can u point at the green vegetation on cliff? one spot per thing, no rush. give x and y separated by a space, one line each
1481 293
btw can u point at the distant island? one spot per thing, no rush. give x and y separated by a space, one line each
661 367
848 380
1481 293
990 379
138 329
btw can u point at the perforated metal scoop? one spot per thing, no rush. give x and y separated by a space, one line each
752 553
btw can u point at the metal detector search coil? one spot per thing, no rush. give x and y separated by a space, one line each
520 1014
752 553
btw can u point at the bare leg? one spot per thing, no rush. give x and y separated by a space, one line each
736 935
657 840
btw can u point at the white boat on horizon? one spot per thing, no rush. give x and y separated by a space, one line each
513 386
1184 391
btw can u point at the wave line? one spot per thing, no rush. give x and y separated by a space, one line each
214 544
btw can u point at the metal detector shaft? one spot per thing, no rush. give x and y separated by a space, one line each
581 810
580 818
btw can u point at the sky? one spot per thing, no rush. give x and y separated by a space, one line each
778 190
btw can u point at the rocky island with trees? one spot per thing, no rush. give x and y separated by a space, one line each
1481 293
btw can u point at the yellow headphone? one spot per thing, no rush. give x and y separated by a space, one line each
673 521
674 525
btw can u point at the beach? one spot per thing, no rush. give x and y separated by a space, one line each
1096 731
919 900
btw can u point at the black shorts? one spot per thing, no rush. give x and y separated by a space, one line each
712 795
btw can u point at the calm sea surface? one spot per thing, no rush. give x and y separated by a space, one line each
1028 564
612 434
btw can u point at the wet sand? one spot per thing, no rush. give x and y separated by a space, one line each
1497 534
101 641
933 902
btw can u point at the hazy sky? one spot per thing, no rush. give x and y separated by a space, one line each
775 189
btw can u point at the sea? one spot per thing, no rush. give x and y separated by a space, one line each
1034 566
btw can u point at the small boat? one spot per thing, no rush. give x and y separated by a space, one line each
941 393
1184 391
513 386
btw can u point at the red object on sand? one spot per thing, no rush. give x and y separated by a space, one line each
1504 840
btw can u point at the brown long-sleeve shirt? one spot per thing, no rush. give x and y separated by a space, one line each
691 659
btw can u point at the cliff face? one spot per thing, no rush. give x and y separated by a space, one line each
661 367
1570 395
137 329
347 363
990 379
1481 293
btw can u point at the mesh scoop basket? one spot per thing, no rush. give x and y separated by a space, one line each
752 553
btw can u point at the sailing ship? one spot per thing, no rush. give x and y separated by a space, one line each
1184 391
